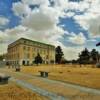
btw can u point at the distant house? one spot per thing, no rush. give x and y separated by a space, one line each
23 51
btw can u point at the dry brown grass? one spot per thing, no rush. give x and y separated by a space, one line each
12 91
85 75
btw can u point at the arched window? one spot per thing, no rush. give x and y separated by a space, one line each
23 62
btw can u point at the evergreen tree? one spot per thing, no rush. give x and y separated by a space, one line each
59 54
1 57
38 59
84 57
94 55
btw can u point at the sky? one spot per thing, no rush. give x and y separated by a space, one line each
72 24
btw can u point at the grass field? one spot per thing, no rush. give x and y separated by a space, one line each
12 91
87 75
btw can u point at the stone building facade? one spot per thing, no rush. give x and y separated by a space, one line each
23 52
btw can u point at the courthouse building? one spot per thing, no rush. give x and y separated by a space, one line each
23 52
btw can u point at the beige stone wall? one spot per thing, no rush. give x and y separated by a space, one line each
30 52
25 52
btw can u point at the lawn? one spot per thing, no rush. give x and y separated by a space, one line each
12 91
87 75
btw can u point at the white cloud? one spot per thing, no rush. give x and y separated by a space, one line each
69 52
21 9
16 30
77 39
72 52
43 18
3 42
61 4
70 14
4 48
89 22
3 21
94 27
90 19
78 6
2 36
36 2
41 23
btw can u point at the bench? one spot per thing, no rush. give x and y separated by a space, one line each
44 74
17 70
4 78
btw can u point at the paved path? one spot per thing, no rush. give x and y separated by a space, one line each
38 90
81 88
55 90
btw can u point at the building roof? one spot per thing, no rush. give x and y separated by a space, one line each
31 41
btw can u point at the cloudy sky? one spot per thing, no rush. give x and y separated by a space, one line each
72 24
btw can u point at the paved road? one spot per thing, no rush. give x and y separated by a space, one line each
55 90
38 90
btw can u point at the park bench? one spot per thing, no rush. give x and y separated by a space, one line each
4 78
44 74
18 69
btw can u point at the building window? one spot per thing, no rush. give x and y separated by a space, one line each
24 41
23 62
27 62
